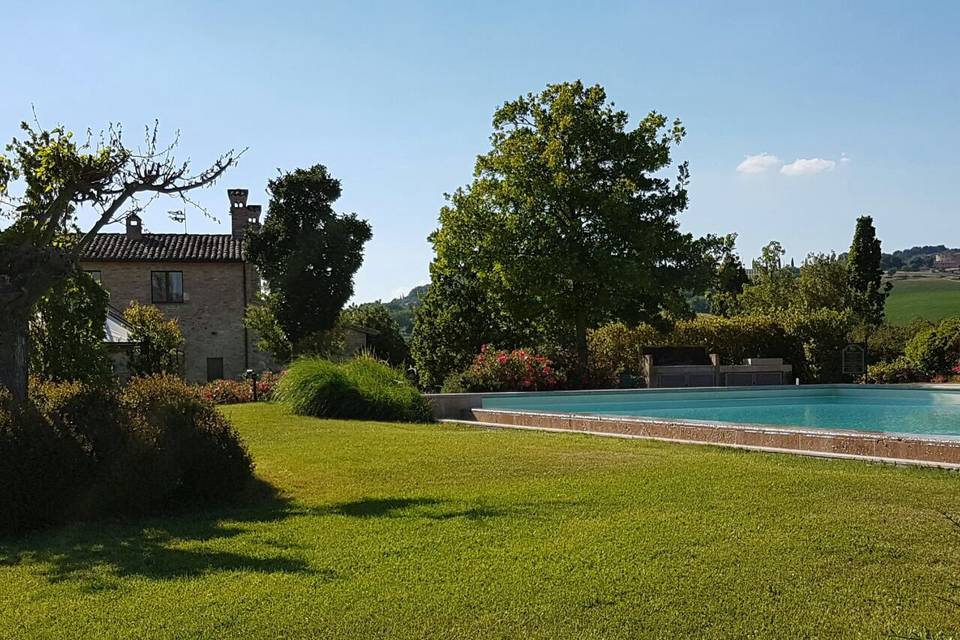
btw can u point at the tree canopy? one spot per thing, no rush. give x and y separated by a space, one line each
869 292
67 332
570 221
307 253
60 176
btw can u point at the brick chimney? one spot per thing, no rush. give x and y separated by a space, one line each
242 215
134 227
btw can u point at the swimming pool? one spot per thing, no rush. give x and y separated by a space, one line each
881 409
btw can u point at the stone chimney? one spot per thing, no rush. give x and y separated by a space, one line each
242 215
134 227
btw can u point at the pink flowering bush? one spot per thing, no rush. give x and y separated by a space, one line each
239 391
517 370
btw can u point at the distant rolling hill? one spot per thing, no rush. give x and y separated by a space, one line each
926 297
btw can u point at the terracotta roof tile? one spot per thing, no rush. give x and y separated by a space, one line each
169 247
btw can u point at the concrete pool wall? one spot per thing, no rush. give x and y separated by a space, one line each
839 443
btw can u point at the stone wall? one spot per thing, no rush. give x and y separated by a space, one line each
210 316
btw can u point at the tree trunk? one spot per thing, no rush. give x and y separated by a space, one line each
14 350
26 273
582 352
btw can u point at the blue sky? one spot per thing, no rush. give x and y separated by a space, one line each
396 99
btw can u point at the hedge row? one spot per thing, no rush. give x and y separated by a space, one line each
812 343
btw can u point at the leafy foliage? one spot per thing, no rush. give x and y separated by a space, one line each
67 332
271 338
307 253
729 280
935 351
158 340
569 221
240 391
80 451
387 344
517 370
897 371
361 388
60 176
811 342
866 275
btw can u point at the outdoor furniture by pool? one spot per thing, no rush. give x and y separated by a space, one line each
671 367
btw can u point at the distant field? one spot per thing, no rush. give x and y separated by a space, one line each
929 298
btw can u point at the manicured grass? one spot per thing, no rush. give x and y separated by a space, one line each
927 298
388 530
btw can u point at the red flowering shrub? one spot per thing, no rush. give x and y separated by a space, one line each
238 391
517 370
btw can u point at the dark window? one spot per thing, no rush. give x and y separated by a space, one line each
166 286
95 275
214 369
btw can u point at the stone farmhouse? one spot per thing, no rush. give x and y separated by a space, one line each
947 260
202 280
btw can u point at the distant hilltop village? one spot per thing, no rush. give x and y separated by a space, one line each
947 260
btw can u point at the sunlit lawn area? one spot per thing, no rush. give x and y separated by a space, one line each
387 530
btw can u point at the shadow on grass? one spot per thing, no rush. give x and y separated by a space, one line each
425 508
173 546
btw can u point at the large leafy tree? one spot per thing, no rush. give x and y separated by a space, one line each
869 292
823 283
59 177
570 221
773 287
307 253
730 279
67 332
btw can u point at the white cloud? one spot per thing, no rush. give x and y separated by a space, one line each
807 167
758 163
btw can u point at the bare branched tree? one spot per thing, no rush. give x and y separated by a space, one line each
60 177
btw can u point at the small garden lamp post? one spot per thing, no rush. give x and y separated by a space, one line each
252 376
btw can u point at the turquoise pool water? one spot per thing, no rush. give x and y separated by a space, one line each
863 408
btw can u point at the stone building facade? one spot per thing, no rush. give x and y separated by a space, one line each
202 280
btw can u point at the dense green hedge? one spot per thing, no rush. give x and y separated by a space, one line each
935 350
812 342
77 451
362 388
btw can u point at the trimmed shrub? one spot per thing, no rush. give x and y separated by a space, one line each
362 388
517 370
811 342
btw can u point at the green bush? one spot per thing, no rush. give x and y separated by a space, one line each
195 455
894 372
40 469
361 388
811 342
935 351
888 342
78 451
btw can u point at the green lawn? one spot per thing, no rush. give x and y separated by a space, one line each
927 298
386 530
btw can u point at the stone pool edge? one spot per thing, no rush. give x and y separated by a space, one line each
832 443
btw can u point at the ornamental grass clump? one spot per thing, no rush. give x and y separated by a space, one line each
361 388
